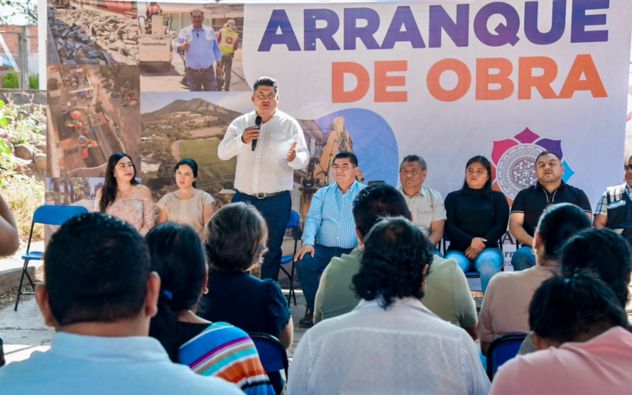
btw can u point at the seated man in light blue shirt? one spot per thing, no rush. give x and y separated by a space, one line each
329 227
201 50
100 296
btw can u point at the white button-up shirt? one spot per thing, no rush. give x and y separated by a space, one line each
265 169
405 349
426 207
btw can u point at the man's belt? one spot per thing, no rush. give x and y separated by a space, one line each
198 70
263 195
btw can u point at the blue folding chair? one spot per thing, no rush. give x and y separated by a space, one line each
47 214
294 226
501 350
273 358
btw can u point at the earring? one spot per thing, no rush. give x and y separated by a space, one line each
205 291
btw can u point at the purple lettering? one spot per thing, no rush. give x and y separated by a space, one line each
505 33
441 21
364 33
558 22
581 20
279 21
403 18
324 34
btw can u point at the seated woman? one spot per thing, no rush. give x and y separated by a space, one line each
582 334
506 303
236 239
122 196
187 205
218 348
476 219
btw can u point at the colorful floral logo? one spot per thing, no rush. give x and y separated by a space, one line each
513 161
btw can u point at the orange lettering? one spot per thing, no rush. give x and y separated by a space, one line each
338 92
542 83
484 78
463 84
383 81
583 65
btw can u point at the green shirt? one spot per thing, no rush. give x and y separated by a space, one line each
447 293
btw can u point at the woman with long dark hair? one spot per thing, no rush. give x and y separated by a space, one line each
187 205
476 220
122 196
209 348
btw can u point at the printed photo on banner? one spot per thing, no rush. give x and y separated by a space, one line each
191 47
93 113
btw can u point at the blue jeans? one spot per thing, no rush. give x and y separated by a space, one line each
488 263
201 80
523 258
309 269
276 211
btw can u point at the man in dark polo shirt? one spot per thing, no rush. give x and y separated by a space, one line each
530 202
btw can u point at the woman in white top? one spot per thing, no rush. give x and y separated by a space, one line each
123 197
187 205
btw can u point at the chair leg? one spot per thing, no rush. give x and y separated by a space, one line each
24 271
292 293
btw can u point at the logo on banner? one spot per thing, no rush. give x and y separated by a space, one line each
514 161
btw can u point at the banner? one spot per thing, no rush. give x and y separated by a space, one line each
446 80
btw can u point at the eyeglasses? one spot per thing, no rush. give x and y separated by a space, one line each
627 167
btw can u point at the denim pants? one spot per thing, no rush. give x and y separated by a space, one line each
309 269
488 263
523 258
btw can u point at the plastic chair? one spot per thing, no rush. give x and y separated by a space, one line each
293 225
48 215
501 350
273 358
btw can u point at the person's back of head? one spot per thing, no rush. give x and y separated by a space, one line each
556 225
575 308
375 202
97 270
395 262
178 258
235 238
603 252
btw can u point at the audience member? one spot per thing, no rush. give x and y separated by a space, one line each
236 237
9 237
210 349
380 345
476 220
447 292
123 197
531 201
506 302
614 209
602 252
99 296
9 242
329 229
583 334
187 205
425 204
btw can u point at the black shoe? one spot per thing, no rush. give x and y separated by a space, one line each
2 360
307 321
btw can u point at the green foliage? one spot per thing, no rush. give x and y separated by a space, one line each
11 80
34 82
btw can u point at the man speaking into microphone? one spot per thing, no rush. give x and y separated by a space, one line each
269 145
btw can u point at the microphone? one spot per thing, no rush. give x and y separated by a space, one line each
258 123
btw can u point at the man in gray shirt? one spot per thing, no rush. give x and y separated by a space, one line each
425 204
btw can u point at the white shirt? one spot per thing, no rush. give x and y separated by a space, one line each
265 169
94 365
405 349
